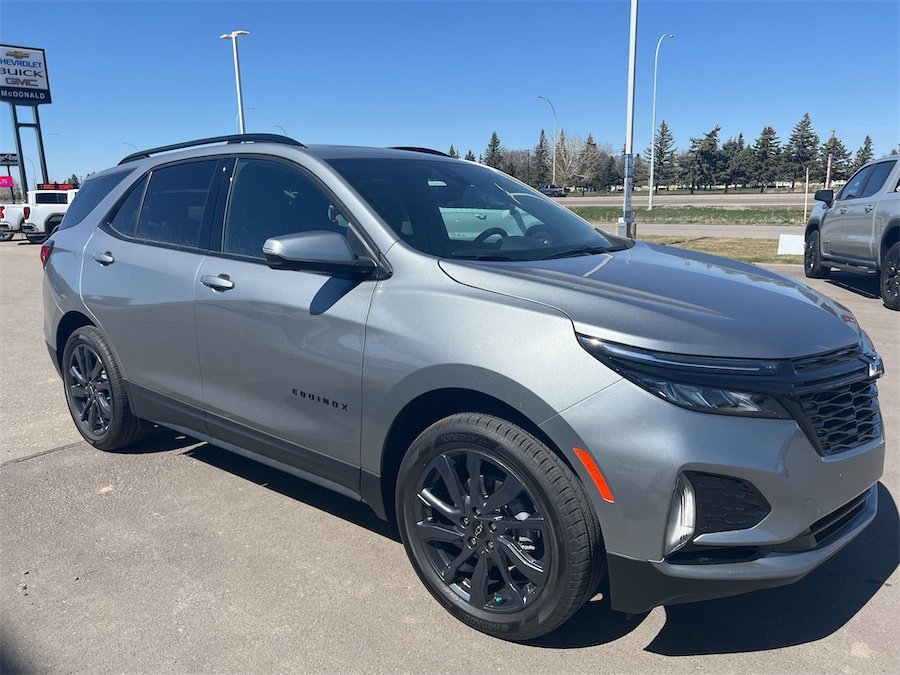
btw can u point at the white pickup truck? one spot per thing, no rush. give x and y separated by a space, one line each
38 217
858 229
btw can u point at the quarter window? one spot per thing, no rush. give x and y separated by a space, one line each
126 218
91 193
269 199
175 204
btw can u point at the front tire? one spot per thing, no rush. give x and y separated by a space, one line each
96 393
497 527
890 278
812 258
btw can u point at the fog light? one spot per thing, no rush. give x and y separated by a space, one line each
682 516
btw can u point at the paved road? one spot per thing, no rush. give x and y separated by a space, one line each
181 557
741 200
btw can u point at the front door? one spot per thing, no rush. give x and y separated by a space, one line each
281 351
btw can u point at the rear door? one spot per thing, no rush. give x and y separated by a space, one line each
138 281
281 351
859 241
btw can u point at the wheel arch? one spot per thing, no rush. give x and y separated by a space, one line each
420 413
811 226
70 322
891 236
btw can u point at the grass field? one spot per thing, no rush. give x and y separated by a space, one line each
748 250
702 215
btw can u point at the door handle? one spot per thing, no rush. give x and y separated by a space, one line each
869 208
842 210
105 258
481 216
217 283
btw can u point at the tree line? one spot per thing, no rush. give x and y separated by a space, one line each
706 163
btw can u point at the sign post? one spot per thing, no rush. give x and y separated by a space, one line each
24 82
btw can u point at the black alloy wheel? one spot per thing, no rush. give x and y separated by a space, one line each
890 278
497 527
812 258
89 391
96 392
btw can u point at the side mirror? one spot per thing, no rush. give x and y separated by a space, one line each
826 196
318 251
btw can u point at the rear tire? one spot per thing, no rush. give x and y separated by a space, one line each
6 235
497 527
890 278
96 394
812 258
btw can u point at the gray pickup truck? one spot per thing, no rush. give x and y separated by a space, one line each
858 228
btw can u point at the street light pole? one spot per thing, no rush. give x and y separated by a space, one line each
653 125
553 179
233 36
626 222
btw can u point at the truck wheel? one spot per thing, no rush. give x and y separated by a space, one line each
812 258
6 236
890 278
497 527
96 394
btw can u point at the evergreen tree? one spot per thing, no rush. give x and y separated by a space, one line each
863 155
470 156
493 156
840 160
765 159
608 175
800 153
689 166
710 161
541 162
73 180
452 152
736 163
664 156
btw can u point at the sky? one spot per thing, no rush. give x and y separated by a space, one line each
432 74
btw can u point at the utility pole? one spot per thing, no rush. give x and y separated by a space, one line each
830 155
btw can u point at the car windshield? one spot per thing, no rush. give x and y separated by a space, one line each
458 209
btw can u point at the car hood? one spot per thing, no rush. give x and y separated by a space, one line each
673 300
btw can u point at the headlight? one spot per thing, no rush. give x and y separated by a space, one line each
705 384
876 365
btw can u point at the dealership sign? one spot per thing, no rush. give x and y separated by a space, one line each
6 181
23 76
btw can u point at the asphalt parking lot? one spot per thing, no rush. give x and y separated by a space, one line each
181 557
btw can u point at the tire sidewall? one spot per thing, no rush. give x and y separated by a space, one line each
436 440
890 303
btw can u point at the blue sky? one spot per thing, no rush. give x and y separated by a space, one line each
435 73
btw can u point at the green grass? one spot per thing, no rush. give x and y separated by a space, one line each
748 250
697 215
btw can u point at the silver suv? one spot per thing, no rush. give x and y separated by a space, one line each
547 410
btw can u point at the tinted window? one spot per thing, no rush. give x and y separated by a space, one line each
175 203
91 193
461 210
51 198
126 217
854 186
877 178
269 199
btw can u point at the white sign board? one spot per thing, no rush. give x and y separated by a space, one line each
23 76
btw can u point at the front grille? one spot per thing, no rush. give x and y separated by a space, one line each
837 401
844 417
724 503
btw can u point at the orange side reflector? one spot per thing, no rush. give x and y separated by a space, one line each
594 470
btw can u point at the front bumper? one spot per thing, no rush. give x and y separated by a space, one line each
642 444
637 586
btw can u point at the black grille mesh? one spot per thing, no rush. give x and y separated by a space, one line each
844 416
724 503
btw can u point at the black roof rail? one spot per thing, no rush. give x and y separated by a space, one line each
234 138
427 151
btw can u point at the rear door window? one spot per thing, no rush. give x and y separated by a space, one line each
125 219
176 203
877 178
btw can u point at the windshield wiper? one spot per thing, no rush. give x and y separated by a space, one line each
481 256
580 250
